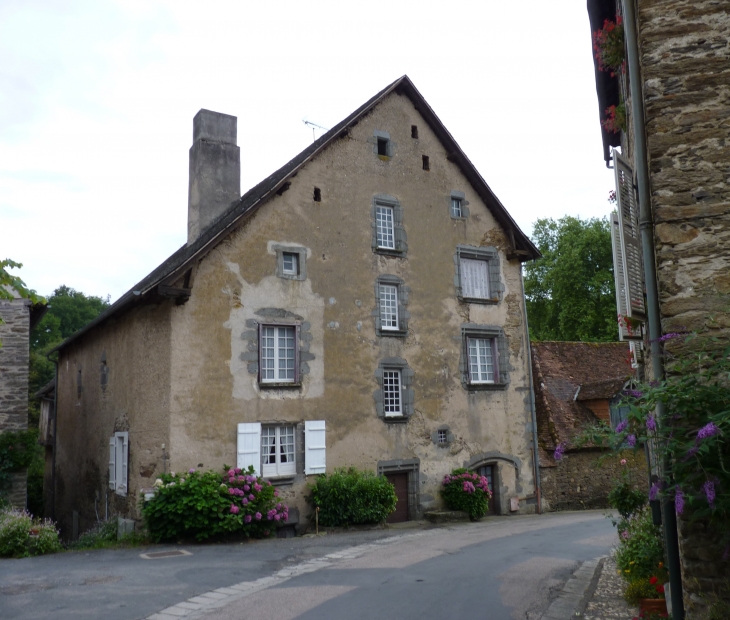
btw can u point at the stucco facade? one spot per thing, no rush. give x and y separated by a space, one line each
180 375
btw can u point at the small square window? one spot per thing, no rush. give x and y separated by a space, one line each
442 436
290 263
383 147
384 227
392 398
456 207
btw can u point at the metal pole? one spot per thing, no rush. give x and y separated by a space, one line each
646 227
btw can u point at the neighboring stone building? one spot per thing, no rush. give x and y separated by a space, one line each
682 77
361 306
578 384
18 318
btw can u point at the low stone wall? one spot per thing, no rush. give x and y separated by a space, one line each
582 480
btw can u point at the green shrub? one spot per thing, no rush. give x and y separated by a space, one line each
641 549
17 449
103 534
466 491
626 499
202 505
21 535
350 496
639 588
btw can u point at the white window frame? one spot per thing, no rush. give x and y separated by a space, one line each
279 332
385 226
456 207
442 436
476 348
389 307
293 258
392 392
119 463
277 437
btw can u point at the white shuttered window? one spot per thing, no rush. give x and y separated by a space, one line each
277 451
474 278
315 447
248 450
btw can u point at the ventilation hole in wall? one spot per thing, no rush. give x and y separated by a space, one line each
383 146
414 131
317 195
426 163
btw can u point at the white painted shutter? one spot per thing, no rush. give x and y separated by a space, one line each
315 447
123 444
619 279
474 279
628 217
249 446
113 462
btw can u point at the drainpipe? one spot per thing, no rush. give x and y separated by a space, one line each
646 227
535 453
55 434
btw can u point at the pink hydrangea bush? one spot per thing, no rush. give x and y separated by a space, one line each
466 491
205 504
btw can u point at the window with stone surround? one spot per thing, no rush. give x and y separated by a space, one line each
278 354
391 299
394 396
484 358
477 277
389 235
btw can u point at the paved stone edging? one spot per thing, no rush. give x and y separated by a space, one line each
203 604
572 599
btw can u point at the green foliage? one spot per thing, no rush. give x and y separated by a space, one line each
350 496
640 588
719 610
103 534
570 290
641 549
14 282
22 536
17 451
466 491
200 505
626 499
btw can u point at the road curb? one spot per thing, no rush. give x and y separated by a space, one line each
573 598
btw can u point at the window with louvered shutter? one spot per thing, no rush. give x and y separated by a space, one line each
248 446
630 241
315 447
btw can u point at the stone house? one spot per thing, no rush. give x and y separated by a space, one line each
18 316
362 306
673 189
577 384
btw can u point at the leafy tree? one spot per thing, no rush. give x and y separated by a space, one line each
570 290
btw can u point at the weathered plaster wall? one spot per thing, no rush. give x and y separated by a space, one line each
236 285
14 358
136 398
582 480
685 58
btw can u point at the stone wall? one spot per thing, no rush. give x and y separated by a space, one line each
685 60
582 480
14 358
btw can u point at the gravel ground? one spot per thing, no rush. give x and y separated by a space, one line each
607 603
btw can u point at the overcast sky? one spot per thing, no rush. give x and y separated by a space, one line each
97 100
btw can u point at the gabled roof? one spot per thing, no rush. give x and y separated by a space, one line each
177 264
566 374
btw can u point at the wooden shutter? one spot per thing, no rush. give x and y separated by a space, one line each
474 278
619 278
315 447
297 335
113 462
123 445
628 217
248 450
495 288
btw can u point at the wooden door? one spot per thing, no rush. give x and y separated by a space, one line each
490 473
400 482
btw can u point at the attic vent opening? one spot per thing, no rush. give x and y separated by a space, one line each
426 162
383 147
414 132
317 195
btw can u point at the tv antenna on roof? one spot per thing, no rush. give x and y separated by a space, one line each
313 125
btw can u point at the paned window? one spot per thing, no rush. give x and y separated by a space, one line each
384 227
290 264
392 400
456 207
442 436
482 354
277 451
388 307
277 350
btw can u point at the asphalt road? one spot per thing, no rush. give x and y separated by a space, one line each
499 568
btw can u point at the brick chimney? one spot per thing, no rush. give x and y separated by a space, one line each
215 170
